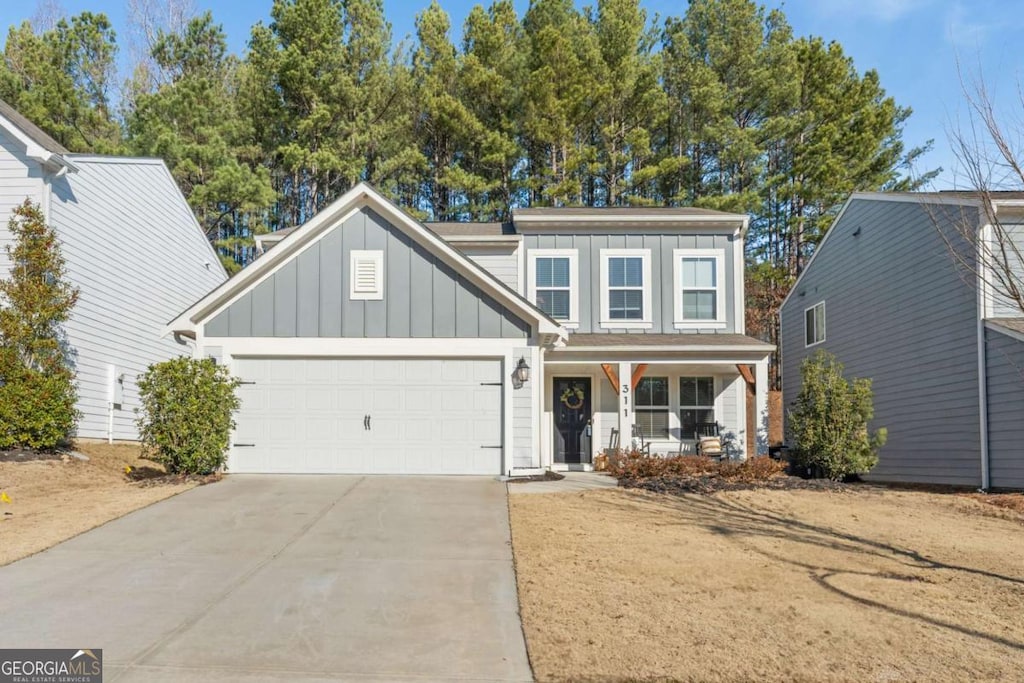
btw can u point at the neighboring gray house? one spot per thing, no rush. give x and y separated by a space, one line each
370 342
133 249
884 294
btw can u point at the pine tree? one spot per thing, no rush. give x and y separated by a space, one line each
37 392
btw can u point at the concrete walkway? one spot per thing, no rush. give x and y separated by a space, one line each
574 481
267 578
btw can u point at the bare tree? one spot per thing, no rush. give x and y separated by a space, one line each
147 19
989 249
47 14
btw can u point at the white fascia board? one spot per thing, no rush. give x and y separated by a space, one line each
359 196
619 219
993 324
365 346
483 239
35 151
917 198
731 348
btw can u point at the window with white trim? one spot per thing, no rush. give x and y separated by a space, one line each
553 281
650 407
699 288
366 270
626 288
696 403
814 324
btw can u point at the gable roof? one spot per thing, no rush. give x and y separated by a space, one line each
361 196
39 145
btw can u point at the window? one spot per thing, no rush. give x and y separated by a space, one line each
552 283
651 407
696 403
626 288
814 324
366 275
700 288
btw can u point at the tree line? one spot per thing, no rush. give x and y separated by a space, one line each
722 107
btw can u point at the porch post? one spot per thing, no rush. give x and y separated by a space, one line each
761 406
625 406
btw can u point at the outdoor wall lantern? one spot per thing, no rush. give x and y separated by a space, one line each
522 371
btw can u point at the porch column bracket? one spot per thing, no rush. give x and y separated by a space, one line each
638 373
612 376
747 375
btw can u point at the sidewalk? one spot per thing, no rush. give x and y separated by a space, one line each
574 481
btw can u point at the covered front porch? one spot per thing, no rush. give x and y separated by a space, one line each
604 391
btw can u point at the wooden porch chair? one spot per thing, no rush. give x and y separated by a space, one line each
645 446
708 437
613 442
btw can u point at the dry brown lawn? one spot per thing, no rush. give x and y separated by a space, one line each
870 585
53 500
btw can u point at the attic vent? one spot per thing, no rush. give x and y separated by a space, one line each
367 268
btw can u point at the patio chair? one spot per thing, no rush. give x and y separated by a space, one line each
613 441
645 446
708 437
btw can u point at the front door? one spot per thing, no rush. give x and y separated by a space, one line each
572 415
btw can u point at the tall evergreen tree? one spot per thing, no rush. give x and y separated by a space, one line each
62 79
191 121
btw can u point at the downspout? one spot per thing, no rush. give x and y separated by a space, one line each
983 367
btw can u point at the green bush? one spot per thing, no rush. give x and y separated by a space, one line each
185 420
829 421
37 384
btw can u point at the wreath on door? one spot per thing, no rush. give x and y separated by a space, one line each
572 398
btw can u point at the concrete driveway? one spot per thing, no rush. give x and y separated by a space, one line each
261 578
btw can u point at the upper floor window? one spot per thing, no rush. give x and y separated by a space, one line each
554 274
699 288
626 288
814 324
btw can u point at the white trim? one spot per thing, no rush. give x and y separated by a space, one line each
362 292
360 196
824 324
573 320
739 293
362 347
482 239
669 349
995 326
623 219
645 323
682 323
35 151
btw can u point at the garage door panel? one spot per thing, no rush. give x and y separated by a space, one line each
427 416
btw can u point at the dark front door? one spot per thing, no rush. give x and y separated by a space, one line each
572 413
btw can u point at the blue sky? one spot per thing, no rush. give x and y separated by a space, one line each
913 44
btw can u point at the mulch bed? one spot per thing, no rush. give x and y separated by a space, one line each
172 479
27 454
677 485
547 476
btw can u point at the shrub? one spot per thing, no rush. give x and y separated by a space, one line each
37 389
829 420
635 465
185 420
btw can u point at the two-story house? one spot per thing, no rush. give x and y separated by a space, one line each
133 249
368 342
896 293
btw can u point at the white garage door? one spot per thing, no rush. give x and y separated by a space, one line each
368 416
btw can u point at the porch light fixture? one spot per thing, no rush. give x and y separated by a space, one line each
522 371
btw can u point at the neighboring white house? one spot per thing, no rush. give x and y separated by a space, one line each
133 249
369 342
946 354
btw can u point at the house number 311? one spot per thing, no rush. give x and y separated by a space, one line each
625 400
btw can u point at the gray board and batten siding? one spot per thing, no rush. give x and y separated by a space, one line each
898 311
589 245
423 296
1004 357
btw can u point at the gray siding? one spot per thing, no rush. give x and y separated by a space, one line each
138 258
1005 381
500 261
589 248
1002 305
898 312
423 297
20 179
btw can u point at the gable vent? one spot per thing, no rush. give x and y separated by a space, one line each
367 269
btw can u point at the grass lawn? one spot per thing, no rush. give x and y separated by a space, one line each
53 500
869 585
